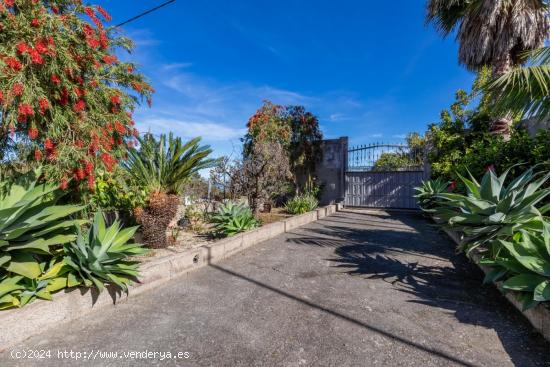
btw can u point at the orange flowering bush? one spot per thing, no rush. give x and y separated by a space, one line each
63 91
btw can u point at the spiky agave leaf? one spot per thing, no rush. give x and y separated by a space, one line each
102 256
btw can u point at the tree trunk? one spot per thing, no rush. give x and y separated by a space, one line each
501 125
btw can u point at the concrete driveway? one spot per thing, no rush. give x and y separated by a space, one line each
354 289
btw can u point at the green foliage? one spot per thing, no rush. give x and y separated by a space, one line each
31 225
311 188
301 204
232 218
167 164
523 265
427 193
112 192
524 90
411 158
64 94
32 230
492 210
102 256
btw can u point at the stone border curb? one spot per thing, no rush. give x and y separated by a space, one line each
539 316
19 324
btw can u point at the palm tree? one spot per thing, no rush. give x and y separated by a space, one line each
494 33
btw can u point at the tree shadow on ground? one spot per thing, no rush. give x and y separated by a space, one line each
408 252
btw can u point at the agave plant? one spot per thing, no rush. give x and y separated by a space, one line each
32 225
165 165
524 265
232 218
490 210
100 257
427 193
301 204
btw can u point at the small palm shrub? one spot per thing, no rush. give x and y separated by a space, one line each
232 218
492 210
301 204
427 193
524 265
162 167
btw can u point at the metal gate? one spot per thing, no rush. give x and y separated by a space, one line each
383 176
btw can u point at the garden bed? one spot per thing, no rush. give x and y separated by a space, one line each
174 262
538 316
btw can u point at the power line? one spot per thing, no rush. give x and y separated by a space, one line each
145 13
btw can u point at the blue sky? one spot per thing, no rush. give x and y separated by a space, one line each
370 70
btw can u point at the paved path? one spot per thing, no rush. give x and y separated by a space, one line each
354 289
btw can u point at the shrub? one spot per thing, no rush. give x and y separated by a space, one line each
301 204
491 210
232 218
427 193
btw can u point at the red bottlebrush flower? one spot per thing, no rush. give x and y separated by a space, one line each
17 89
137 87
13 63
35 23
130 69
55 79
48 144
119 128
79 92
33 133
88 30
44 105
79 174
109 59
41 47
36 58
94 83
104 13
109 126
79 144
26 109
9 3
37 155
22 47
63 184
89 11
452 186
64 99
88 167
79 106
1 97
55 9
91 182
93 42
108 161
115 99
103 40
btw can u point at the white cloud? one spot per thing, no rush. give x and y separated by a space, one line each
210 131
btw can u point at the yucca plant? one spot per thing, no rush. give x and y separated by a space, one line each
99 257
524 265
301 204
491 210
427 193
232 218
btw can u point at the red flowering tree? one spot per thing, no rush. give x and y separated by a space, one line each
295 129
63 91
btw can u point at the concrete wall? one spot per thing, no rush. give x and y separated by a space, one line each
331 170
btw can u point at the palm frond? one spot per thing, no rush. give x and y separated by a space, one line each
524 90
167 164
